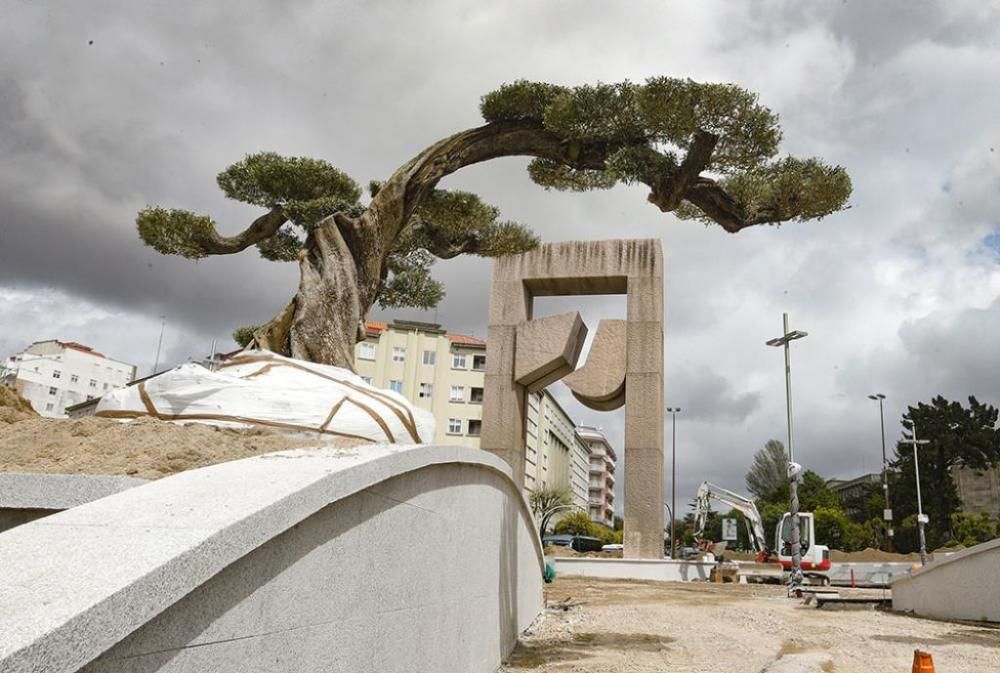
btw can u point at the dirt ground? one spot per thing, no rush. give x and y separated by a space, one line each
638 627
144 448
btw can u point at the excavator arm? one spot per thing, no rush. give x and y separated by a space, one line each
755 525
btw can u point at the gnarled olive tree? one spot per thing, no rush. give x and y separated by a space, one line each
705 151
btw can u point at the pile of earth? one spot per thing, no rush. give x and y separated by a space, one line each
13 407
146 448
870 555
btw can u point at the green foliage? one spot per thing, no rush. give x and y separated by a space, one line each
244 335
814 493
770 514
789 189
546 502
410 282
835 530
175 231
446 224
644 126
769 471
958 436
284 246
972 529
575 523
578 523
308 189
520 100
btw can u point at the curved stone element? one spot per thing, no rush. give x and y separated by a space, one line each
962 585
548 349
600 383
381 558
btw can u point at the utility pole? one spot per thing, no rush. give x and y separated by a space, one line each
887 511
673 411
921 517
795 580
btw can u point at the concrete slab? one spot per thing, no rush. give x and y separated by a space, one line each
22 490
664 570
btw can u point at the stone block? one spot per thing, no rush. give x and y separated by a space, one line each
600 383
644 347
510 302
645 299
547 349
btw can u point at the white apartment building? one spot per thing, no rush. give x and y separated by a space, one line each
555 456
601 484
444 372
53 375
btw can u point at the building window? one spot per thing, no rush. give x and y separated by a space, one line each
53 391
105 386
479 362
367 379
73 378
430 357
396 386
56 374
93 383
367 351
475 427
454 426
458 360
398 354
90 397
476 395
49 406
457 394
426 389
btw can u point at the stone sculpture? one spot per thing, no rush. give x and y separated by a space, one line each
624 367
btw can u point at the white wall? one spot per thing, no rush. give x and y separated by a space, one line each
963 585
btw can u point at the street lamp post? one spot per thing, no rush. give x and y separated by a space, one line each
673 411
921 517
670 513
887 511
795 580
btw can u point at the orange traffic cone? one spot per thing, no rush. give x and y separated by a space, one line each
922 662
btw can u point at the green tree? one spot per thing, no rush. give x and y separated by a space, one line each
958 436
769 472
814 493
972 529
547 502
576 523
704 151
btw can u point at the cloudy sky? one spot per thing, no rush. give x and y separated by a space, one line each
106 107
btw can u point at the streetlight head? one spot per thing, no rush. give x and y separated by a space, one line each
797 334
777 341
876 396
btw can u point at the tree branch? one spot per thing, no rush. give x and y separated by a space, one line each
264 227
668 190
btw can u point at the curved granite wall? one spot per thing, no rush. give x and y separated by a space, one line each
380 559
963 585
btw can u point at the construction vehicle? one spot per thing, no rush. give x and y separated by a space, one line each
815 557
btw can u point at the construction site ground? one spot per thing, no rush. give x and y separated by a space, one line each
604 626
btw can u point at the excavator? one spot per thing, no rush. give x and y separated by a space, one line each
815 557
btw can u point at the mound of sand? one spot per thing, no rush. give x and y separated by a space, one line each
144 448
13 407
870 555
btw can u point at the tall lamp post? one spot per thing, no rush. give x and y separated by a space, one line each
670 513
921 517
887 511
673 411
795 581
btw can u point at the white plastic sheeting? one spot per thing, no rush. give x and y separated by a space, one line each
261 388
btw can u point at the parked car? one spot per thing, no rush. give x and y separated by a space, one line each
580 543
613 547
